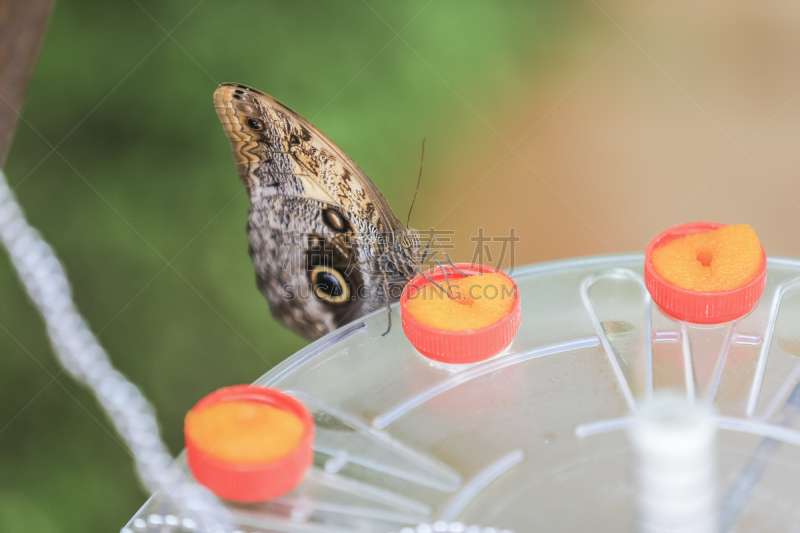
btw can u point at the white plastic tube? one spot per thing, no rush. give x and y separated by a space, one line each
675 468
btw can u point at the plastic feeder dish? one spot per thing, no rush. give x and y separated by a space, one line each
247 454
452 344
695 306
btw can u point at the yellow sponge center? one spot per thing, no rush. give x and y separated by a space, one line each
474 302
718 260
244 433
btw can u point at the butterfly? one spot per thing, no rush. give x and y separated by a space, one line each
326 246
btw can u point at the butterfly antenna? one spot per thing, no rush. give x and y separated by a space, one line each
419 179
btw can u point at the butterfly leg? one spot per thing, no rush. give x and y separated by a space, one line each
388 306
441 267
425 255
447 292
449 261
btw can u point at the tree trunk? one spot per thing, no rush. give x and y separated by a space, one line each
22 25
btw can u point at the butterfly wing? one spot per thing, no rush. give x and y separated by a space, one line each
316 218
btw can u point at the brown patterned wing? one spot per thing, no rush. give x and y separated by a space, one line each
323 240
279 151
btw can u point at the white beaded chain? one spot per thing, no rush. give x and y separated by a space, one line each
84 359
82 356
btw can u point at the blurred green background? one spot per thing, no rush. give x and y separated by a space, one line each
122 165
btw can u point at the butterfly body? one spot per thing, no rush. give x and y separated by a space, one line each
325 244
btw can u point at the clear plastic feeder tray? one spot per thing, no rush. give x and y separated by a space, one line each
534 439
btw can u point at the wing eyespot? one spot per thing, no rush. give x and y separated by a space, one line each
255 124
329 285
335 221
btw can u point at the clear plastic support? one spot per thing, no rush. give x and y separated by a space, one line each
780 293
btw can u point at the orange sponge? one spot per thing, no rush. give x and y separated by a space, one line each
718 260
244 433
474 302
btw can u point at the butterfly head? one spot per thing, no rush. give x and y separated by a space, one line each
407 240
403 259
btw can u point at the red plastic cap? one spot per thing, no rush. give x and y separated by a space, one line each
253 483
459 347
701 307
